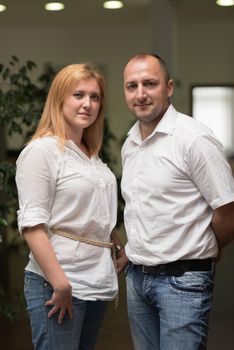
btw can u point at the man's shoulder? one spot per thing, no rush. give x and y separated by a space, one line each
190 127
190 133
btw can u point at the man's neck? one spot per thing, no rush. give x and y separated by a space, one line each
148 127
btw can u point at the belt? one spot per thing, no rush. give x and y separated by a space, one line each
177 268
81 239
92 242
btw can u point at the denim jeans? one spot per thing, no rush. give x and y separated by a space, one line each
80 333
168 312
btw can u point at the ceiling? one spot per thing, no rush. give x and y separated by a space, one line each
91 13
76 13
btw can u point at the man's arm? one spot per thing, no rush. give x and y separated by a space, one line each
223 224
121 257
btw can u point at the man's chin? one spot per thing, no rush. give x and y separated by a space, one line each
144 119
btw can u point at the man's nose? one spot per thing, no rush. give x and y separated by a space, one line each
141 94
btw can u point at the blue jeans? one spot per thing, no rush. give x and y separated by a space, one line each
168 312
80 333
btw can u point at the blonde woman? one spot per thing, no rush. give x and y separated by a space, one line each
67 212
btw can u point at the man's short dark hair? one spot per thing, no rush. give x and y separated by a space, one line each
159 58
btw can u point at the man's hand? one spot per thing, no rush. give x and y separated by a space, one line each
121 260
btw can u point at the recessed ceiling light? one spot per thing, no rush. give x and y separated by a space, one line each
225 2
54 6
113 5
2 8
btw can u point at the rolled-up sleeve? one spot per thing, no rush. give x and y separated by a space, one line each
36 174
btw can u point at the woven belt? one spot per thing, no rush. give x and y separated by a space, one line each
82 239
109 245
177 268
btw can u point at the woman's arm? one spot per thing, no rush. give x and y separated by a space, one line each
42 251
121 257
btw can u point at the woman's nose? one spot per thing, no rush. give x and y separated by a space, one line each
87 101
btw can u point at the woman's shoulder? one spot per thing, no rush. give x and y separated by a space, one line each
46 143
43 147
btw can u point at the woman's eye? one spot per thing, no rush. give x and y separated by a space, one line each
95 98
78 95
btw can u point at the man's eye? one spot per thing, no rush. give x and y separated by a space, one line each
150 84
131 87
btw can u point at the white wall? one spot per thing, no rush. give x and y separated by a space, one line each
108 47
206 56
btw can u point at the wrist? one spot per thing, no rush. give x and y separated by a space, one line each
118 247
60 283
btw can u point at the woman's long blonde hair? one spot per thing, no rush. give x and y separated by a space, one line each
52 120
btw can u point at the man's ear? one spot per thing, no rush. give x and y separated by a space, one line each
170 88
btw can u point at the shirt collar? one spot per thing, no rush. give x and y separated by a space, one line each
72 146
166 126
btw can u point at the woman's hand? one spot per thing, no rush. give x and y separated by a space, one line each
62 302
44 254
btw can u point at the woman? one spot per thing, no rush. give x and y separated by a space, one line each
68 204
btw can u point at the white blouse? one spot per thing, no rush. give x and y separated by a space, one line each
66 190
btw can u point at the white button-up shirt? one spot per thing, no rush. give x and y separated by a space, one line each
171 183
66 190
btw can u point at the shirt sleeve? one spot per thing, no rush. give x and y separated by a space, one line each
210 171
36 174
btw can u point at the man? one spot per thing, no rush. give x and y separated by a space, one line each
179 213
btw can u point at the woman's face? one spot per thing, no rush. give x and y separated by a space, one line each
81 106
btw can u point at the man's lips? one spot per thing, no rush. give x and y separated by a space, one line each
142 104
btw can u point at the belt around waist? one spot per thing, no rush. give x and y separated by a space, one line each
177 268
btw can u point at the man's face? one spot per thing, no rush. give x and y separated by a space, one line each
146 89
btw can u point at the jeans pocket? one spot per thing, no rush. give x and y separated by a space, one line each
36 289
32 281
195 281
27 281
